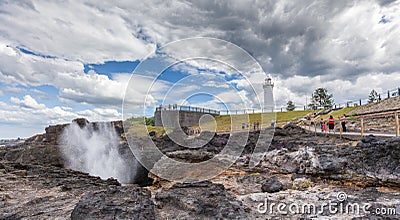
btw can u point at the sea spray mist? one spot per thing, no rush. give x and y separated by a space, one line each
94 148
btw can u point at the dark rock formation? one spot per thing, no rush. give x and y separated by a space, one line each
36 138
36 191
272 185
53 133
33 153
204 200
115 203
82 122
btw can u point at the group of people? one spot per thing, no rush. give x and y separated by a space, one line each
256 126
195 131
329 124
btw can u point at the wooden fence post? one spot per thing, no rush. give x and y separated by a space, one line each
362 127
315 129
396 116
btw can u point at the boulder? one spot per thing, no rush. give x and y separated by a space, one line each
272 185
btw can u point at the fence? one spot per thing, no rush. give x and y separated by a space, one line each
363 101
361 119
255 111
188 109
351 103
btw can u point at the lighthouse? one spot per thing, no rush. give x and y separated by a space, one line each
269 104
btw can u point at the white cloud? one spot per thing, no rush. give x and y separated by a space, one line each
72 30
27 102
14 89
217 85
72 82
297 88
28 113
288 38
107 112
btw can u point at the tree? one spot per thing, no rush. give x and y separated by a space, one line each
290 106
321 98
373 97
149 121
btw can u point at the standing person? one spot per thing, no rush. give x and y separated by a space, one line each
312 124
343 123
331 124
322 124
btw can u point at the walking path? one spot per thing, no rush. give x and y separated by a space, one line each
319 131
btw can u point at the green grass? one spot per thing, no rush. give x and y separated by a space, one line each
284 117
339 113
142 130
137 127
344 111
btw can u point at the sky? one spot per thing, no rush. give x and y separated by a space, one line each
107 60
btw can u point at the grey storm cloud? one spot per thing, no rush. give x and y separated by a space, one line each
287 37
309 38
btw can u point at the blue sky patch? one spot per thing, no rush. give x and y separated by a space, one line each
110 67
26 51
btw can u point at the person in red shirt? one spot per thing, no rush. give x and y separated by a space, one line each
331 124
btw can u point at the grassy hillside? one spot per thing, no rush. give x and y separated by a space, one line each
339 113
223 122
137 127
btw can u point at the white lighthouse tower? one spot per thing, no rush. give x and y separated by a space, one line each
269 104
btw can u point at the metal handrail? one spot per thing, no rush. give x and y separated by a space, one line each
187 108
